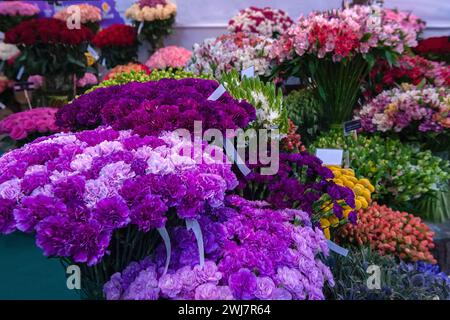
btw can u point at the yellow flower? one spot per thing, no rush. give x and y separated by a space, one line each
363 201
89 58
334 221
326 233
366 183
358 204
347 212
324 223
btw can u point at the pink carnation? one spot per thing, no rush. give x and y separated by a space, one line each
20 125
37 80
18 8
169 57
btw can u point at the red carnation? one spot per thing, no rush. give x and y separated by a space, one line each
119 35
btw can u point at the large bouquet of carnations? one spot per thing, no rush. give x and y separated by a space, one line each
251 252
156 106
154 19
336 49
410 23
391 232
28 125
169 57
13 13
118 44
409 69
87 195
265 21
418 113
49 48
90 15
236 51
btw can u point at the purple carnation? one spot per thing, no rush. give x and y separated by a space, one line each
243 284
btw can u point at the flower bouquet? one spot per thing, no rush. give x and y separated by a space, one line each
402 174
169 57
90 15
26 126
265 21
415 113
251 252
265 97
7 52
13 13
156 106
237 51
336 50
118 44
50 49
409 69
154 19
391 232
98 198
434 48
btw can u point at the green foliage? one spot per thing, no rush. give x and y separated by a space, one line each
401 173
397 281
265 97
115 56
304 110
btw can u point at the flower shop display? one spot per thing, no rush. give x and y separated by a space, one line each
391 232
303 183
156 106
336 49
303 108
236 51
268 22
292 141
127 68
252 253
401 173
87 195
409 69
90 15
434 48
265 97
415 113
399 281
23 127
154 19
50 49
118 44
13 13
169 57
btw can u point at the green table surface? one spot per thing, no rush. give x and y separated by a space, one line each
26 274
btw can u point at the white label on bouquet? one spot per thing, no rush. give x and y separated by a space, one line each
248 73
338 249
166 238
2 36
217 93
20 73
234 157
192 224
2 106
330 156
93 53
141 26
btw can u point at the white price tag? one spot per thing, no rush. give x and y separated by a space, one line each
330 156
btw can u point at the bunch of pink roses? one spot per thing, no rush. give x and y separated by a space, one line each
169 57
